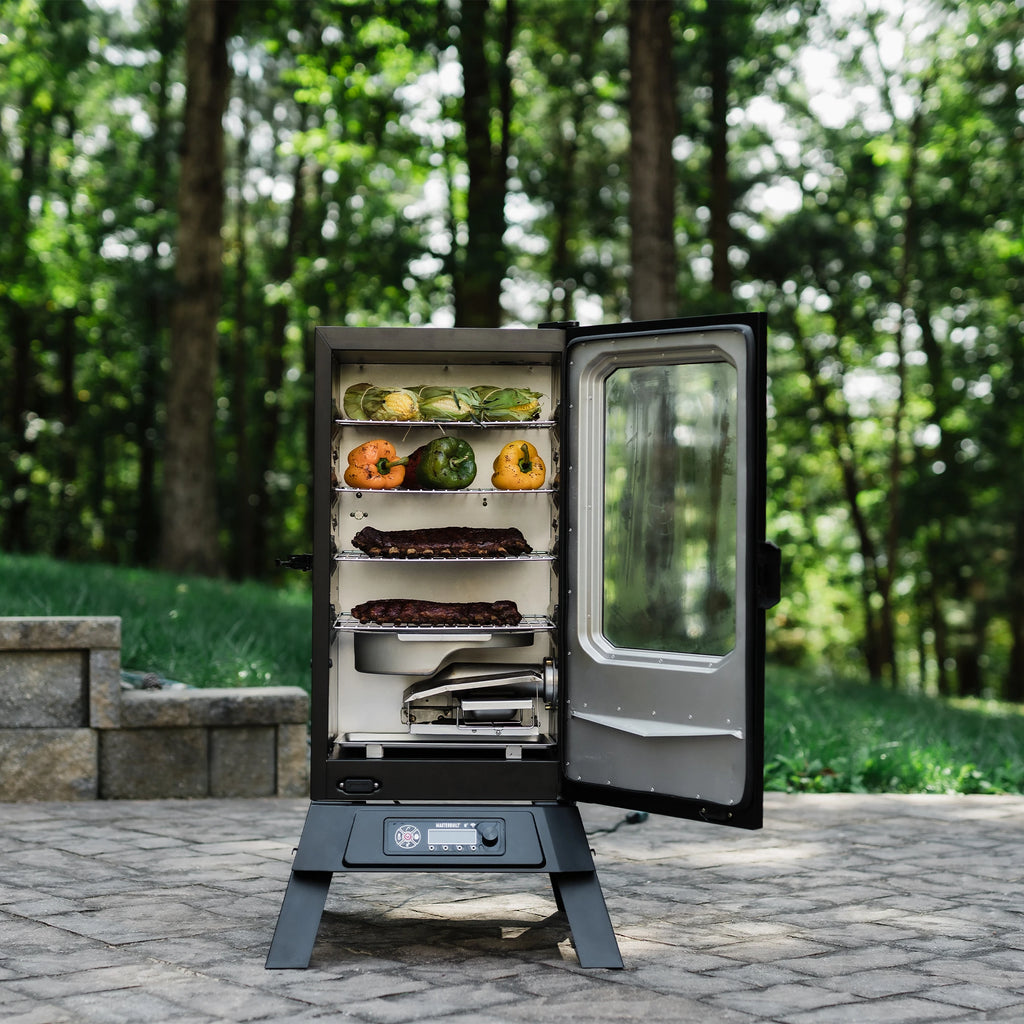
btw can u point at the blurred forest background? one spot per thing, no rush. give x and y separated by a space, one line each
188 186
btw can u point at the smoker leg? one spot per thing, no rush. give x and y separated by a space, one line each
297 924
558 893
578 893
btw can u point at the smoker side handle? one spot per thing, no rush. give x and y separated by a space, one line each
303 563
769 575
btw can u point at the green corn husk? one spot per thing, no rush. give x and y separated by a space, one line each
512 405
370 402
443 403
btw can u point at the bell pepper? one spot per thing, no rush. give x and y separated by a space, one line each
444 464
518 467
375 466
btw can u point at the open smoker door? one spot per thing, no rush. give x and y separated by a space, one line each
667 573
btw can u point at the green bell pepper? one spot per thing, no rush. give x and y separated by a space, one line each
444 464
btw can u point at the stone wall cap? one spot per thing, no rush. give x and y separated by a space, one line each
59 632
222 705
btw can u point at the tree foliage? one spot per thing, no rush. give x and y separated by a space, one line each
853 169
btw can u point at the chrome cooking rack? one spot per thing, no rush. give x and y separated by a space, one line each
528 624
444 424
359 556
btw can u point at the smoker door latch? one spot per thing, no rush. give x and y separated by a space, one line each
304 563
769 575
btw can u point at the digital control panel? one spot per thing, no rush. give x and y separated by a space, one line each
444 836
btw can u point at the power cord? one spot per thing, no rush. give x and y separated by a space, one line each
633 818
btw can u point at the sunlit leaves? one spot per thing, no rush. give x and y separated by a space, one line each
875 205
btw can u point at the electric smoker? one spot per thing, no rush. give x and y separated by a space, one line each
613 654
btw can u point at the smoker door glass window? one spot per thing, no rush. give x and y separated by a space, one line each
670 508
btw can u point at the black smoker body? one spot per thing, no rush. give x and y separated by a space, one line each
633 675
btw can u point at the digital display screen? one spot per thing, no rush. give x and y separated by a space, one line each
451 837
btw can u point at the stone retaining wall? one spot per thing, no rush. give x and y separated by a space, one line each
68 731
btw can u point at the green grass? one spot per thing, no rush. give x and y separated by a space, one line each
828 735
823 734
196 631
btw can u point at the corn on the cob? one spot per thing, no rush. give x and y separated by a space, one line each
370 402
401 405
437 402
485 402
507 404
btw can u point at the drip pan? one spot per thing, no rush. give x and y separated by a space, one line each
421 652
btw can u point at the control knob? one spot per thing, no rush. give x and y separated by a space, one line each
489 833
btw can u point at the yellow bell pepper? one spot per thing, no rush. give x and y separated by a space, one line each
518 467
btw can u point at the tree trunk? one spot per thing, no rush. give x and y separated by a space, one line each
971 645
878 652
652 122
245 492
21 396
156 307
720 205
941 630
189 534
567 146
937 567
68 512
268 430
1013 684
478 285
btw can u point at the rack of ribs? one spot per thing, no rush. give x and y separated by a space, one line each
442 542
408 612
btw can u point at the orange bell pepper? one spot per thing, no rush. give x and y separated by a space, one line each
374 466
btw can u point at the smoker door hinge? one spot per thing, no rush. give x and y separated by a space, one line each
769 575
304 563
